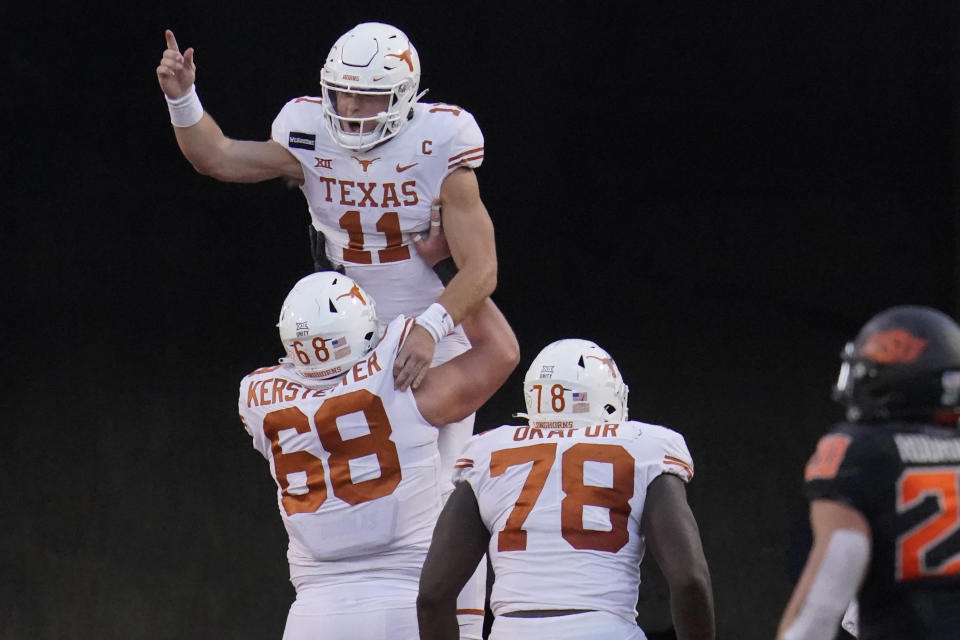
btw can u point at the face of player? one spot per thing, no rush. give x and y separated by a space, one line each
360 105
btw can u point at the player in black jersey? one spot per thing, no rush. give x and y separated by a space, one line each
884 488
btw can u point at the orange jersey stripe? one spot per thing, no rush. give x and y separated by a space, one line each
471 612
680 463
464 161
313 100
467 152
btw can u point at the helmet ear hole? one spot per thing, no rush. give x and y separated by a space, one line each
609 408
333 309
369 335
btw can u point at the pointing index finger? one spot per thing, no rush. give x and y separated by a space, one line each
171 40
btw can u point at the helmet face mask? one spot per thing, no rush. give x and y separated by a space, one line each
327 324
903 364
370 59
574 383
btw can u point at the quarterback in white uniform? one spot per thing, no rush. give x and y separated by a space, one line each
355 460
376 166
371 162
565 506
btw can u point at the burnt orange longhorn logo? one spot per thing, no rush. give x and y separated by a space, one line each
406 56
608 362
894 346
354 293
365 163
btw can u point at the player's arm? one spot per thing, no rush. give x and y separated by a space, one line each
457 388
674 540
200 138
469 233
835 568
459 541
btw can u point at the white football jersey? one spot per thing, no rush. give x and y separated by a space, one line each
563 507
369 204
355 463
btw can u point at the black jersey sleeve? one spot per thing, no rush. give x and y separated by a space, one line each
847 467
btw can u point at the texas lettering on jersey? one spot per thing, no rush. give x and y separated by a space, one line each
368 204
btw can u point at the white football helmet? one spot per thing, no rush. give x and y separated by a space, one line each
372 58
327 323
574 383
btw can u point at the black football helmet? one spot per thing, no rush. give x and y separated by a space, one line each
903 365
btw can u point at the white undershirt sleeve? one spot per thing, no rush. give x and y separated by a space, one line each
834 586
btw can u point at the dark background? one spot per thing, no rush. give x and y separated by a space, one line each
719 194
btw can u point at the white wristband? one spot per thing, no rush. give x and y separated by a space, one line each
437 321
186 110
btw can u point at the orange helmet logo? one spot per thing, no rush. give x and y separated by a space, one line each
354 293
608 362
406 56
893 346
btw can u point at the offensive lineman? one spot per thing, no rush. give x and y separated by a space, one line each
884 488
565 507
371 160
354 459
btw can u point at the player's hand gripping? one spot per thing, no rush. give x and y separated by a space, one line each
433 248
414 359
177 71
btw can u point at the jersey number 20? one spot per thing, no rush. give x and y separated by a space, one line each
929 549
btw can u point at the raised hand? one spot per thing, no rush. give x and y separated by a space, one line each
176 71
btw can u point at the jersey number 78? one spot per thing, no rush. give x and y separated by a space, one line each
576 494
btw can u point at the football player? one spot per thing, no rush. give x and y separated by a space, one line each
354 459
565 507
373 163
883 488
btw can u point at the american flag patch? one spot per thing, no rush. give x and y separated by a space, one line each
579 396
340 347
